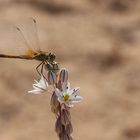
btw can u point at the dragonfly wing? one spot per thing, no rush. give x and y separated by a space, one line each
34 34
30 31
8 43
21 39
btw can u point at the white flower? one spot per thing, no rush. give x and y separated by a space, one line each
68 96
40 86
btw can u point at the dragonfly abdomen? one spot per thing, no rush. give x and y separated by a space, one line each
16 56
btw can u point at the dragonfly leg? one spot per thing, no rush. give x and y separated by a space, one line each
37 68
42 67
41 72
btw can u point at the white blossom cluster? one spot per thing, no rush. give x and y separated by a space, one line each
61 88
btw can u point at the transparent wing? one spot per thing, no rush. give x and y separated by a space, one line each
35 35
18 39
8 44
26 35
30 31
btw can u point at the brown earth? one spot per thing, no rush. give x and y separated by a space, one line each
98 42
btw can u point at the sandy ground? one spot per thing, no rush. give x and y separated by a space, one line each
98 42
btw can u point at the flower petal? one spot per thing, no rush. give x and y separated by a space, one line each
68 96
74 91
69 104
61 100
59 94
43 82
35 91
66 87
76 99
39 87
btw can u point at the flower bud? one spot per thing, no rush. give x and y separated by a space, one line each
52 78
59 85
70 138
63 75
58 126
65 117
69 128
56 67
49 67
54 104
53 66
64 137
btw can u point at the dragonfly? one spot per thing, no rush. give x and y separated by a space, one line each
46 59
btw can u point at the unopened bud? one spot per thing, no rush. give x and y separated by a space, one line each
59 85
65 117
58 126
54 103
54 67
69 128
65 137
63 75
52 78
49 66
70 138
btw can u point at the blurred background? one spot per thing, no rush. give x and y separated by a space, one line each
98 42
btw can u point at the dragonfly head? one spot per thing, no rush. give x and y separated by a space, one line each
51 57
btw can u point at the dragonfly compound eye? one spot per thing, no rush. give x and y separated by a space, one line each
51 57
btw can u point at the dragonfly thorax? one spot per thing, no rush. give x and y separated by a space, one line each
41 56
